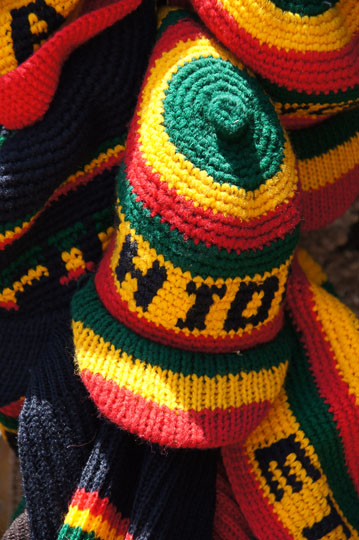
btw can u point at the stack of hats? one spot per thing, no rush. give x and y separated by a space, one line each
208 388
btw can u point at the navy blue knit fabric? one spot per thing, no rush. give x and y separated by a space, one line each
57 429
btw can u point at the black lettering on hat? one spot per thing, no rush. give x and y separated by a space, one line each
326 525
235 319
23 38
196 315
147 285
278 453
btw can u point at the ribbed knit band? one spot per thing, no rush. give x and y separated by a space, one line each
297 474
328 167
57 428
27 91
306 54
140 492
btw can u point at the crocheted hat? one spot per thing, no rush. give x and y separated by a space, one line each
306 54
207 222
57 189
297 475
134 491
328 168
30 64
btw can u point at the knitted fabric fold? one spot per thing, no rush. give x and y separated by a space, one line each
297 474
174 341
134 491
30 72
57 191
19 529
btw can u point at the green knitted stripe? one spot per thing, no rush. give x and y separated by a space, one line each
311 8
317 140
70 533
8 422
303 397
291 97
198 259
10 226
88 309
218 117
172 18
29 259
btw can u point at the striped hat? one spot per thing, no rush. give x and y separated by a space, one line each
36 37
297 475
328 167
306 54
57 181
173 340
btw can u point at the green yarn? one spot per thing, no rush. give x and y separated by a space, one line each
303 396
88 309
29 259
319 139
200 259
71 533
19 509
172 18
220 119
10 226
309 8
9 422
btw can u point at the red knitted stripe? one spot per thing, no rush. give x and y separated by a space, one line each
27 91
159 424
13 409
332 389
324 205
302 71
256 509
298 122
203 225
61 191
119 309
98 507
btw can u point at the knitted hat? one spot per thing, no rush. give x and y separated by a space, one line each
57 191
297 475
9 415
328 167
207 222
139 492
29 73
305 53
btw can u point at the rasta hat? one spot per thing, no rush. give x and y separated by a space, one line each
305 54
297 474
328 167
57 191
174 338
36 37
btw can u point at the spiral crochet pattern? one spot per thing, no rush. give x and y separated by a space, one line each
297 475
207 222
306 54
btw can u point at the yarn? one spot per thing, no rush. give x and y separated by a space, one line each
196 271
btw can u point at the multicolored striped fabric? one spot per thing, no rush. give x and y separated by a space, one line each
297 474
57 191
328 167
32 53
305 54
135 491
174 338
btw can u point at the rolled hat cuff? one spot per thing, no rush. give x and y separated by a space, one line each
168 395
